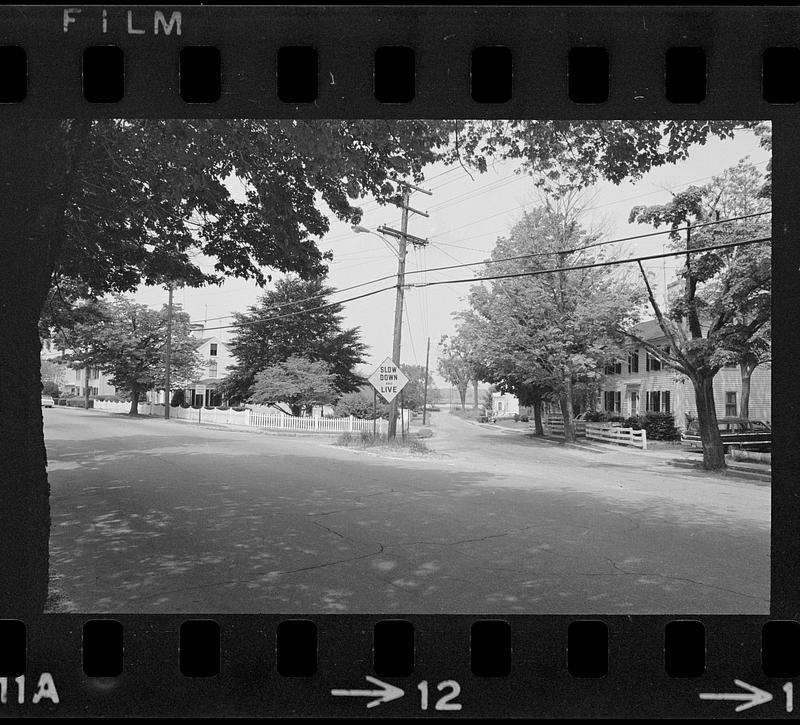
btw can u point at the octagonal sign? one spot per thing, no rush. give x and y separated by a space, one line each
388 379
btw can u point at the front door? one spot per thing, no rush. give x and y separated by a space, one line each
634 404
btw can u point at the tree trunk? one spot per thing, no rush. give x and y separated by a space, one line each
537 416
32 202
746 371
462 393
134 403
475 389
713 450
86 388
566 411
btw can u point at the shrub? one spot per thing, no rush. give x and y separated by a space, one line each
595 416
222 407
185 406
661 426
240 408
524 419
178 398
602 416
50 388
636 422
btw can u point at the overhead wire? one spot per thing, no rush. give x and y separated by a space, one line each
528 255
532 273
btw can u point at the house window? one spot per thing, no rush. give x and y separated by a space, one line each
213 349
658 401
652 363
730 404
614 368
212 369
611 401
633 361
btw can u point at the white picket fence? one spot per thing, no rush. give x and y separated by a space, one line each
609 432
252 419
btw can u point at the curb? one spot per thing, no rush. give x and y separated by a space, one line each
757 477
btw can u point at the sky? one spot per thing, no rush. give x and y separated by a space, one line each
467 212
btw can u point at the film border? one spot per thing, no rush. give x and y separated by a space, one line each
540 39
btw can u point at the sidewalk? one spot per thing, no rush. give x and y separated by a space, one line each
675 456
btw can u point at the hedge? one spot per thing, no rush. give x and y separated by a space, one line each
659 426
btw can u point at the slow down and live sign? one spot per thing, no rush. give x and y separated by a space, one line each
388 380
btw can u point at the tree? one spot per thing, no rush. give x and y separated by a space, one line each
298 382
104 205
745 339
52 374
414 391
362 404
286 322
543 333
454 366
128 342
579 153
723 311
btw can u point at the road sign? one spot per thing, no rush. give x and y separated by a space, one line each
388 379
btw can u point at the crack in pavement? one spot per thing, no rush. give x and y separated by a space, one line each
683 579
208 585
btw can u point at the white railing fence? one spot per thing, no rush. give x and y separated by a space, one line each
617 434
609 432
555 424
267 421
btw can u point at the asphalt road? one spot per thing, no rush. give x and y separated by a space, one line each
168 517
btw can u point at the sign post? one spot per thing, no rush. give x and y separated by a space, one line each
388 380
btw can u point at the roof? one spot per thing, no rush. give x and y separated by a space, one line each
648 330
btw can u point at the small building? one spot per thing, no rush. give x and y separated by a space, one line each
504 403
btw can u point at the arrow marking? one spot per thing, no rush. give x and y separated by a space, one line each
756 696
387 693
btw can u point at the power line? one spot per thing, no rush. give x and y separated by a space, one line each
500 276
529 255
608 263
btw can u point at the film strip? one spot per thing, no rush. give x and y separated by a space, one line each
471 62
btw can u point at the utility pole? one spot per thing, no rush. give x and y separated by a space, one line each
425 395
169 355
403 238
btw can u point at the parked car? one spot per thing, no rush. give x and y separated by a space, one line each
751 435
47 401
506 415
